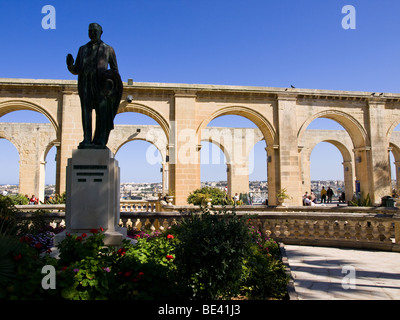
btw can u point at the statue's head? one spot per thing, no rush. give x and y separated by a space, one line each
95 32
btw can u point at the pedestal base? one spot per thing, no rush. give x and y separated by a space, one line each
93 185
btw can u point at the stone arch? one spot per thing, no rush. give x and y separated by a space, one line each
219 143
153 134
348 163
17 105
15 144
148 111
46 151
392 126
12 140
258 119
356 131
395 149
238 176
345 152
162 152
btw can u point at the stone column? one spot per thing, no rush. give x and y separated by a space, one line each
377 157
362 174
289 158
305 169
272 169
29 173
71 133
184 153
349 181
238 181
164 177
31 169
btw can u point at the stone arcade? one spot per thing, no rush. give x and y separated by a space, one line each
183 112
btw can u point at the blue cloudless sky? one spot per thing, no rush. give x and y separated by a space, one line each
227 42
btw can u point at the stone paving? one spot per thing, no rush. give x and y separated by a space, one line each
321 273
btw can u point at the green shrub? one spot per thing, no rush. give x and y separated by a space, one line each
210 252
19 199
264 275
201 196
360 201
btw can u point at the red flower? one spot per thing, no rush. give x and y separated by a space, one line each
94 231
78 238
17 257
128 273
25 239
121 251
136 236
84 235
170 236
141 273
101 229
169 257
38 245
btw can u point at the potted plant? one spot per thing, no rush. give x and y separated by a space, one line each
282 195
170 197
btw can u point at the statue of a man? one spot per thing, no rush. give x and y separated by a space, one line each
99 88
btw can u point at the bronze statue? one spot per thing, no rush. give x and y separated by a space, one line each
99 88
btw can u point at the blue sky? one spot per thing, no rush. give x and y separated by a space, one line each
227 42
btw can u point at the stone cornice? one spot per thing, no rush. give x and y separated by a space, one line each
300 94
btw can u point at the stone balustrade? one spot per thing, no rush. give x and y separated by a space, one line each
362 230
140 206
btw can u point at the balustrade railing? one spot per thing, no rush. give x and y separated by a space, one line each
139 206
354 230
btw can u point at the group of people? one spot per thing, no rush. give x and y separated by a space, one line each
32 200
326 197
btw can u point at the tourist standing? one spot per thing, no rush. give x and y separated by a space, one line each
329 193
323 194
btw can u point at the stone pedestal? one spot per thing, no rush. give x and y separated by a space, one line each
93 185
